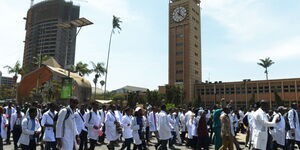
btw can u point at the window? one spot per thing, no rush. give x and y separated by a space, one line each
179 44
196 72
179 53
179 35
196 37
195 28
179 62
196 45
179 27
196 63
196 54
179 80
179 71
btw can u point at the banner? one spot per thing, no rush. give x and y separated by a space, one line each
67 88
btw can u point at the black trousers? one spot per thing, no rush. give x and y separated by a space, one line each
203 142
290 144
16 135
31 146
163 145
172 140
92 144
127 144
1 143
182 136
83 140
8 132
50 145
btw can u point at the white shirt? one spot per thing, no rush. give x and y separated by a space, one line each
153 121
79 120
279 131
294 124
47 118
93 119
110 127
126 124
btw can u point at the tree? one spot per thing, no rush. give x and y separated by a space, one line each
99 70
82 69
278 99
174 94
266 63
115 25
102 82
37 61
17 69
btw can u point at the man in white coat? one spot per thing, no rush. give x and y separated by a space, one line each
127 131
31 129
111 126
80 117
3 127
164 128
260 128
16 127
279 131
93 123
153 116
48 123
293 135
66 130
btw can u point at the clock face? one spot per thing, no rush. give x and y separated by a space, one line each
179 14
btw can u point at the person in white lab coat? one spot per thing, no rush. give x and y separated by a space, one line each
261 124
48 123
278 133
94 123
111 127
164 129
9 110
3 127
127 131
293 135
66 130
16 127
172 122
31 129
183 128
103 115
153 117
80 117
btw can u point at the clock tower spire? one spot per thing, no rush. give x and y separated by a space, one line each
185 68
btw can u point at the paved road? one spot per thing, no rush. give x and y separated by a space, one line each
240 137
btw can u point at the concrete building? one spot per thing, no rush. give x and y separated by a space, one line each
247 92
7 81
185 45
45 38
127 89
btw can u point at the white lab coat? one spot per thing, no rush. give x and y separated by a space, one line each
14 118
103 114
260 129
2 126
110 127
126 124
68 131
294 124
135 132
47 118
171 122
79 120
152 122
192 127
13 110
183 123
278 133
118 115
90 123
164 128
26 130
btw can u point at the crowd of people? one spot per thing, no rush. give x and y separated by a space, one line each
84 127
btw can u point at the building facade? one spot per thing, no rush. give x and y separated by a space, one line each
6 81
247 92
43 37
185 45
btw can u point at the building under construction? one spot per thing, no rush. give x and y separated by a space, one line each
43 37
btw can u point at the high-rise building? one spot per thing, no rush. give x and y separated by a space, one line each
185 45
45 38
6 81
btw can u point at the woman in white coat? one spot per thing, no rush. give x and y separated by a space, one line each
3 126
66 130
111 124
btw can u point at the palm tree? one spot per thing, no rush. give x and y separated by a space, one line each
115 25
99 70
16 69
82 69
266 63
37 61
102 82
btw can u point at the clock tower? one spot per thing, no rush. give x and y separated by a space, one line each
185 45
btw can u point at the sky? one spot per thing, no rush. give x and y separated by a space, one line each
235 35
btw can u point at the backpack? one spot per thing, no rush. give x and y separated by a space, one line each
246 121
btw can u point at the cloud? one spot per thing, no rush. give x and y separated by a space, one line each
287 49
